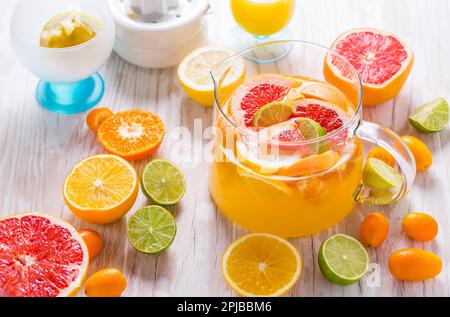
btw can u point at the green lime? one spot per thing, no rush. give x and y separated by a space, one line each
272 113
379 174
163 182
151 229
343 259
310 129
431 117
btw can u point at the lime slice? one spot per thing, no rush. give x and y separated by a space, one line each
151 229
69 29
272 113
343 259
378 174
163 182
310 129
431 117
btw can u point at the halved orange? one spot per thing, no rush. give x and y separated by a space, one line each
132 134
261 264
101 189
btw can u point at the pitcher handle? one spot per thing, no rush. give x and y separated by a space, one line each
392 143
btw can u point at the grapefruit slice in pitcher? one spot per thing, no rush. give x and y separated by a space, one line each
329 116
40 256
382 60
256 93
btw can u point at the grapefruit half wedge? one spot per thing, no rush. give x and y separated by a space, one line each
382 60
40 256
257 92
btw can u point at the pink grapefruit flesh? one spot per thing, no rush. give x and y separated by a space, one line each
257 92
40 256
376 57
381 59
319 111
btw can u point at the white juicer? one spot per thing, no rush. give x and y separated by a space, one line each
158 33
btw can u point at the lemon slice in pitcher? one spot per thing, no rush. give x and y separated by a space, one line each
69 29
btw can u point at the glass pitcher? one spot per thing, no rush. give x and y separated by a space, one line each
271 178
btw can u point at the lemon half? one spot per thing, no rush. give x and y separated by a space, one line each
194 74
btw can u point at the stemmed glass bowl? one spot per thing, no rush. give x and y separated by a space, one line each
69 82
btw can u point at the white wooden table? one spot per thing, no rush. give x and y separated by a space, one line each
38 149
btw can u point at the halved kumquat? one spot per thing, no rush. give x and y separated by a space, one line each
96 117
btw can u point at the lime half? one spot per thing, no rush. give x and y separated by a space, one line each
151 229
272 113
431 117
343 259
163 182
379 174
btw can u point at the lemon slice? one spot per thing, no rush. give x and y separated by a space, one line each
194 74
69 29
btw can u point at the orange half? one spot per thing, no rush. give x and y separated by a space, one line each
101 189
261 265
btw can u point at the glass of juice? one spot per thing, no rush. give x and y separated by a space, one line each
288 156
262 20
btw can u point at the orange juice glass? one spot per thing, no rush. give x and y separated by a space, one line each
262 17
272 179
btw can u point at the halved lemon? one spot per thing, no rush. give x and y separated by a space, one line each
194 74
261 265
69 29
101 189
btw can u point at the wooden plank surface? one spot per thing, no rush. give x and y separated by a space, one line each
39 148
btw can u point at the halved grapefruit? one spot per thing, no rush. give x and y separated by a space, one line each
40 256
257 92
382 60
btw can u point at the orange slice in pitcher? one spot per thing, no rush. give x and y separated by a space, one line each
312 164
325 92
131 134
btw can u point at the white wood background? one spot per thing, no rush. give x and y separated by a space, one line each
38 149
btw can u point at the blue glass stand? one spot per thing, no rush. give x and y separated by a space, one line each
71 98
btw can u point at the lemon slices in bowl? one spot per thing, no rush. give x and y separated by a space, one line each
69 29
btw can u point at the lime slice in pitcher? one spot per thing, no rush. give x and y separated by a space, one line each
272 113
310 129
378 174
